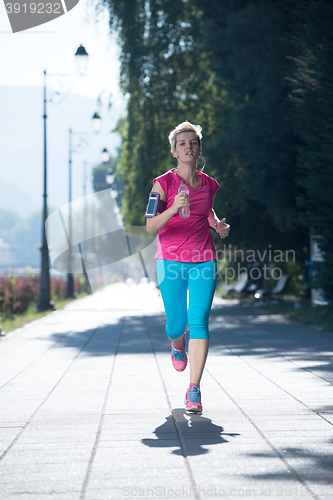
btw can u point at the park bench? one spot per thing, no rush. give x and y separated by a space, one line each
239 286
279 288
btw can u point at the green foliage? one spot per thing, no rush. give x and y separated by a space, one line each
257 76
312 98
250 42
223 65
168 77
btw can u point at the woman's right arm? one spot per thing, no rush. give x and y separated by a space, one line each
154 224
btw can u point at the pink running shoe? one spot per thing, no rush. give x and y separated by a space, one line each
178 356
193 400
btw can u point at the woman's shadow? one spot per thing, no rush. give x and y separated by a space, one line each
190 433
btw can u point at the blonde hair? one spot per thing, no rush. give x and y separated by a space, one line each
184 127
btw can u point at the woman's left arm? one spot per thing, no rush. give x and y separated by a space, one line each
220 225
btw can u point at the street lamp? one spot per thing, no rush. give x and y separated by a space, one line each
81 58
105 156
86 220
96 124
44 300
109 177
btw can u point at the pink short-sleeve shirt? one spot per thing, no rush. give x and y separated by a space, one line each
187 240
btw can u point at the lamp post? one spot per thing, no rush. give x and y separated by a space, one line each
109 178
86 220
44 301
96 123
81 57
105 155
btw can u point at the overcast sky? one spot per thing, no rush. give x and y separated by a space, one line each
24 55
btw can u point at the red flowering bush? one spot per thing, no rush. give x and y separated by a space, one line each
58 287
18 292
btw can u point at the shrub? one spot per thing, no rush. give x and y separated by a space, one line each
18 292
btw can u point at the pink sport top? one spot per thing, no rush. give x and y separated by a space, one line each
187 240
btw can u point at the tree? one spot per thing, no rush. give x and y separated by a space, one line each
312 98
252 47
168 79
224 65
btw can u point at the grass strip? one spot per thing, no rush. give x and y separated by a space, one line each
31 314
301 311
294 307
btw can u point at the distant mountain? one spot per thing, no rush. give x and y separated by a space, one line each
14 198
20 239
21 146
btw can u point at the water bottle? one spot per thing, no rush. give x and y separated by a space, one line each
184 212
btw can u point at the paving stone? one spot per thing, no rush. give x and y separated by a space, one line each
89 401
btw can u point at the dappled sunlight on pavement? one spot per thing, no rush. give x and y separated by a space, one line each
91 407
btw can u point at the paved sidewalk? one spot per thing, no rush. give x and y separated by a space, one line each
91 408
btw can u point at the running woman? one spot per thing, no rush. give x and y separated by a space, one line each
186 255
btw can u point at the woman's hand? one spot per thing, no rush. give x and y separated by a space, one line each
181 200
222 228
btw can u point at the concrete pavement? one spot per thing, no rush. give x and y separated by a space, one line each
91 408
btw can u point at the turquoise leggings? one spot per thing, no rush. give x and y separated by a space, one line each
174 279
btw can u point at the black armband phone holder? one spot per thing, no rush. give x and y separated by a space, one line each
155 205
